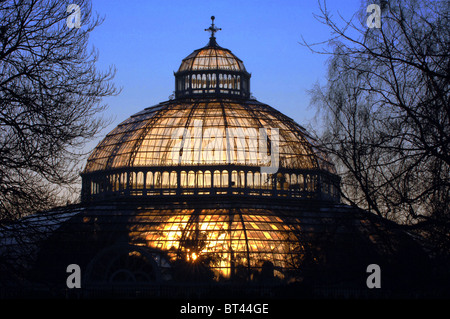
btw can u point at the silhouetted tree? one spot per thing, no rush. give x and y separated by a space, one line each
50 95
386 112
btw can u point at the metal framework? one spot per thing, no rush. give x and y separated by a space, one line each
212 143
212 71
130 242
210 186
209 146
227 242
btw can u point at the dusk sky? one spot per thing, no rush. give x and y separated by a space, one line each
146 41
211 200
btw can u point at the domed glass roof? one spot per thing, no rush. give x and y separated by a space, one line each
137 243
211 57
206 132
209 186
211 139
212 71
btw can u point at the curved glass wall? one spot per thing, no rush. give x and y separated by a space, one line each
209 147
244 181
220 243
212 132
212 71
212 139
210 58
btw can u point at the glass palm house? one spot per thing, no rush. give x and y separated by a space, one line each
208 144
212 186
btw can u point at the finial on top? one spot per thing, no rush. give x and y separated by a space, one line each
213 29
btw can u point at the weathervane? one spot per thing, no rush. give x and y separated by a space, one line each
213 28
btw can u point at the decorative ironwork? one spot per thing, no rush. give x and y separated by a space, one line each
170 197
202 148
213 29
170 149
212 71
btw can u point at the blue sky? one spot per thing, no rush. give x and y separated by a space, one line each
146 41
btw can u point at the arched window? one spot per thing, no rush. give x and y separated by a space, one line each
266 182
308 183
224 178
301 182
249 179
287 180
204 81
123 181
257 180
133 179
280 181
191 179
140 180
314 183
199 179
165 179
238 82
149 182
216 180
234 179
207 182
183 179
194 81
241 179
220 81
110 178
213 81
93 188
225 81
173 179
157 179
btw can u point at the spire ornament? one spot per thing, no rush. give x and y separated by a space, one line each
213 29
